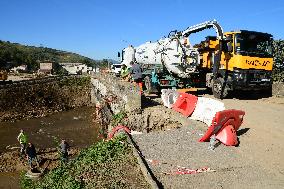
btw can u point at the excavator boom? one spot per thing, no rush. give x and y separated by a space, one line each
202 26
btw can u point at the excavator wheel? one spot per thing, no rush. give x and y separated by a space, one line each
219 88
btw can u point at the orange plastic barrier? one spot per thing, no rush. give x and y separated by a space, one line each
224 126
185 104
115 129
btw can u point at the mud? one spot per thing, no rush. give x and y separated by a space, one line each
155 117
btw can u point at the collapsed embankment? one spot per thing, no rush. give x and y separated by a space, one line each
119 102
37 98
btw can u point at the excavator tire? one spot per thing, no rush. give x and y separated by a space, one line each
219 88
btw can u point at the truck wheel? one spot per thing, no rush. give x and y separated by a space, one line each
267 92
148 85
219 90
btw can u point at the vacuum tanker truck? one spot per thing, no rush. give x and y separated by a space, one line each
238 60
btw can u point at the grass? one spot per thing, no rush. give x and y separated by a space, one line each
106 164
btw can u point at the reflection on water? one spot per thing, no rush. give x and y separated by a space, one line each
76 126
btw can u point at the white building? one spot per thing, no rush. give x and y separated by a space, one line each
76 68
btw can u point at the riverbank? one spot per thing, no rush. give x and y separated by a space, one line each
47 131
107 164
77 126
41 97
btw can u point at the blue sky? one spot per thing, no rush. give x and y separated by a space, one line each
98 29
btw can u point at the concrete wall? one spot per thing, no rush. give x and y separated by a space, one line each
118 95
37 98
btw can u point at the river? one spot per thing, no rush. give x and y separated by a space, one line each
76 126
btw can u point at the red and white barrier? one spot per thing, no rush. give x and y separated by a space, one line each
185 104
169 97
222 123
205 110
224 127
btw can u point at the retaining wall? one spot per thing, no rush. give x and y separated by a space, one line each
37 98
114 95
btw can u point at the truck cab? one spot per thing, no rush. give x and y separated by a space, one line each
246 62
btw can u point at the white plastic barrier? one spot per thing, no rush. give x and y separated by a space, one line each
206 108
169 97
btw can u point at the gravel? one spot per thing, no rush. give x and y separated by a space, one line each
180 147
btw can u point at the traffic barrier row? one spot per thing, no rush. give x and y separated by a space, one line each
222 124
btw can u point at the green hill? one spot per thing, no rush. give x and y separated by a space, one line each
15 54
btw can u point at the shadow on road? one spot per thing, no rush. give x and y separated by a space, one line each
149 101
242 131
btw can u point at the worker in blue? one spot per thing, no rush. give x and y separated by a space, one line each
63 149
136 74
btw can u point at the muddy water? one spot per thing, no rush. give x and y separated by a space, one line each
76 126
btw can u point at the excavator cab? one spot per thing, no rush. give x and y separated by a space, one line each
228 44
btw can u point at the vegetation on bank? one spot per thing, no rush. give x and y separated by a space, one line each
278 54
106 164
75 81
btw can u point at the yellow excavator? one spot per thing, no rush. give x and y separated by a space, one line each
245 63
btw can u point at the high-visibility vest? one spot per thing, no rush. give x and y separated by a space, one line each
23 138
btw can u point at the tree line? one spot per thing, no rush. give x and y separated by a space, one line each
278 54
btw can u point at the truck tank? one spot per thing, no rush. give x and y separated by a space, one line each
175 54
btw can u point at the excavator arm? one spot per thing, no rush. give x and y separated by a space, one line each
219 31
202 26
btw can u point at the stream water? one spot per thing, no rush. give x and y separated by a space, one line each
76 126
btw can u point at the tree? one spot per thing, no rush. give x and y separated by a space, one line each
278 54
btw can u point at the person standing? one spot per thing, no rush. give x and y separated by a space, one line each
63 148
23 139
124 72
136 74
31 155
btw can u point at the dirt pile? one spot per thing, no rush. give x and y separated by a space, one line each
155 117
